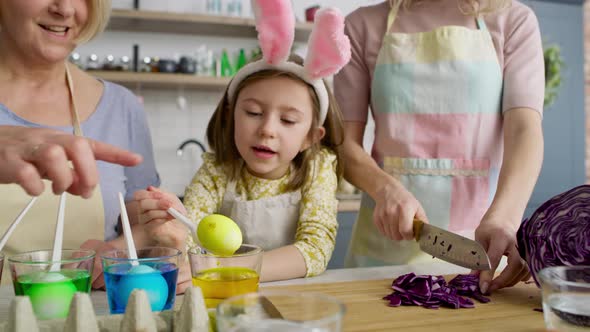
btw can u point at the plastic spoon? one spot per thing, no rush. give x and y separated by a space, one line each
127 232
185 221
59 235
15 223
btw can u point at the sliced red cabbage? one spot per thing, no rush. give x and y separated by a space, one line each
558 232
433 292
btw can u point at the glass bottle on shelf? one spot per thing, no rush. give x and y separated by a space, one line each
241 61
226 68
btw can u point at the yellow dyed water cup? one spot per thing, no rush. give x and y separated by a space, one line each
221 277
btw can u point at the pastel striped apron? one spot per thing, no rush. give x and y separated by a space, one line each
436 101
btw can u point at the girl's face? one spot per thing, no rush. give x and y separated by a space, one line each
273 118
42 29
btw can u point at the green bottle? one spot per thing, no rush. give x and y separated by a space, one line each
241 62
226 68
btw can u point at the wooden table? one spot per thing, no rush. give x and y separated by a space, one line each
510 309
362 290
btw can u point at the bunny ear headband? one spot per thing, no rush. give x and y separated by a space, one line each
328 47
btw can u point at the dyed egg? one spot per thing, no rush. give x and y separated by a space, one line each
219 235
51 294
148 279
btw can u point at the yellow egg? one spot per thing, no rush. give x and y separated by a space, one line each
219 235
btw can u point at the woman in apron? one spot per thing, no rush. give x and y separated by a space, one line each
39 89
456 92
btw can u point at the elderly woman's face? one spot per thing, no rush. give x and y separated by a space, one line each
43 29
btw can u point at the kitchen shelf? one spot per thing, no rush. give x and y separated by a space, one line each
195 24
162 80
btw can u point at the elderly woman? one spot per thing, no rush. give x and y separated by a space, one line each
39 89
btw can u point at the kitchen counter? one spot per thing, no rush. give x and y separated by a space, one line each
329 277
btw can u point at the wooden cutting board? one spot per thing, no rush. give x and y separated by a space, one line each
511 309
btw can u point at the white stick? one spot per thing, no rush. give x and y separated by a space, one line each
127 232
15 223
184 220
59 235
188 223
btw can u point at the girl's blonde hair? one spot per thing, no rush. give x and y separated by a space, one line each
99 12
220 131
468 7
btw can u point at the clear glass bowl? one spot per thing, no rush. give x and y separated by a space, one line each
280 311
566 297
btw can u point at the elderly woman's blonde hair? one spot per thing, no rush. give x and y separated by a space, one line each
99 12
468 7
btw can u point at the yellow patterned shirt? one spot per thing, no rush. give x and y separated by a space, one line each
316 230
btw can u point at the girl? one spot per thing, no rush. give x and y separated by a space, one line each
456 90
275 165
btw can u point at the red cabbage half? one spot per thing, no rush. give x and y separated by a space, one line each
558 232
432 292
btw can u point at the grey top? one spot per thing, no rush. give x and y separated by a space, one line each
119 119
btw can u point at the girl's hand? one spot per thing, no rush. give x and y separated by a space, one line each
498 237
153 204
395 209
159 225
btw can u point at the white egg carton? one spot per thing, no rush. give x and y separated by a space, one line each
191 317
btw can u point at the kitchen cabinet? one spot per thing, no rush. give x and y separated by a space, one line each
346 221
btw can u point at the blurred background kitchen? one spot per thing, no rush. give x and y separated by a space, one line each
178 55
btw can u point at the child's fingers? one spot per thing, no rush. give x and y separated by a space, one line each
153 189
144 194
152 215
146 205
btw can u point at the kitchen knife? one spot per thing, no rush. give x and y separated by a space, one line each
450 247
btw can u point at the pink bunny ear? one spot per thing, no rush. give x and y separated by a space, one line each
275 23
329 47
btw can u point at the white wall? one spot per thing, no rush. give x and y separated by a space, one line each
170 125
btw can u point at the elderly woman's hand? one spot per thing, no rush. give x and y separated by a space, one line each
28 155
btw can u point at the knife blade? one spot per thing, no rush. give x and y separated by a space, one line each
450 247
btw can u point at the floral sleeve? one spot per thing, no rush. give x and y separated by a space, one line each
316 231
205 193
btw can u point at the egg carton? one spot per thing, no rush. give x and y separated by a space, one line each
191 317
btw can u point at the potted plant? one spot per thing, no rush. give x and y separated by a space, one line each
553 65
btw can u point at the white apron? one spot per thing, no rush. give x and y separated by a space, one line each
268 222
436 100
84 218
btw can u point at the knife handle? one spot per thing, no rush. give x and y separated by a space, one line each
417 228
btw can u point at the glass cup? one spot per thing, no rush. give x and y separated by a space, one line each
51 285
155 271
566 297
221 277
280 311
